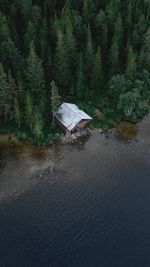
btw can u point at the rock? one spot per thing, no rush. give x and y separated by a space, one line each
12 145
51 169
100 131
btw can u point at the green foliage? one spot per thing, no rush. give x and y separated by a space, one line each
37 124
17 113
97 76
127 103
117 86
131 64
7 91
28 110
55 98
80 79
97 52
145 51
35 74
61 66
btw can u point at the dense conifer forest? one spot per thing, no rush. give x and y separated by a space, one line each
95 53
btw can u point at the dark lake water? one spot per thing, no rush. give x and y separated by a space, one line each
93 212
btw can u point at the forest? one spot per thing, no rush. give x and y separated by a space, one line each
95 53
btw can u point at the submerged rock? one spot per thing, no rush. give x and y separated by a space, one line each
127 131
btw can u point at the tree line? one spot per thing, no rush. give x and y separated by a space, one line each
94 52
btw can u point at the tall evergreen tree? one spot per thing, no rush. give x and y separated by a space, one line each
29 36
29 108
4 90
55 99
114 56
17 113
85 11
62 71
131 64
35 75
88 56
97 76
80 79
145 52
37 124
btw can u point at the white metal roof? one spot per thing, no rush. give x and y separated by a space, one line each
70 115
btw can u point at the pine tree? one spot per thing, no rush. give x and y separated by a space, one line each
97 76
66 16
35 75
70 49
55 99
147 8
13 91
43 46
29 110
114 57
88 56
37 124
119 30
131 64
29 35
80 79
129 23
7 92
145 52
10 56
62 71
17 113
85 11
25 8
4 29
4 88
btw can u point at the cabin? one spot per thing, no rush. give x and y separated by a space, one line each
71 118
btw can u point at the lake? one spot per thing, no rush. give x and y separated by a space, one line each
76 206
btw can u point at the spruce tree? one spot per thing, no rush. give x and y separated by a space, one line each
131 64
145 52
37 124
88 56
62 71
35 75
85 11
29 36
29 108
129 23
4 89
80 79
55 100
114 57
97 76
10 56
7 93
17 113
70 49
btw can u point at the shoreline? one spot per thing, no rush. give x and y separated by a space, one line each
11 137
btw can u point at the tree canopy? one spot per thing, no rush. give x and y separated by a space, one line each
96 52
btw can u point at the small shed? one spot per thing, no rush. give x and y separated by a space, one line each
71 118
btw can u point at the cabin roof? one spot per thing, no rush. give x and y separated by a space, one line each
70 115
